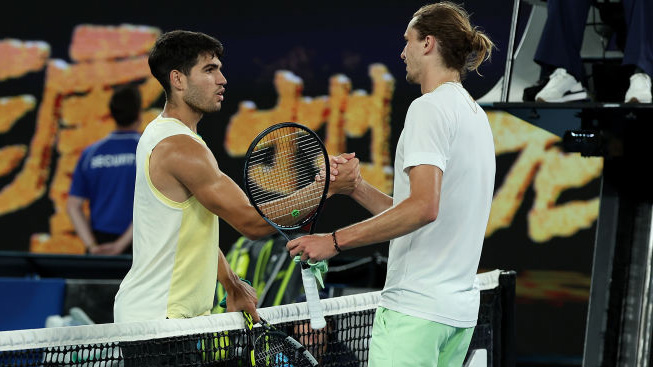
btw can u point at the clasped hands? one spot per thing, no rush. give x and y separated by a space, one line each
345 178
345 174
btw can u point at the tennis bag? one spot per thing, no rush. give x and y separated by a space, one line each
265 263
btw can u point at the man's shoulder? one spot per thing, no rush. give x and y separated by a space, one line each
129 135
111 144
163 128
93 148
179 151
176 142
442 96
428 100
442 102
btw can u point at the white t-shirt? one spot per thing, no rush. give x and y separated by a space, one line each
432 271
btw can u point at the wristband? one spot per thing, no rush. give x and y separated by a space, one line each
335 242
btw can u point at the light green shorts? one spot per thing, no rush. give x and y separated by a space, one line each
399 340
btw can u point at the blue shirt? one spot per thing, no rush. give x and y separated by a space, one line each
105 175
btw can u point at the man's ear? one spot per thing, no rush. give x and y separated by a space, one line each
177 79
430 43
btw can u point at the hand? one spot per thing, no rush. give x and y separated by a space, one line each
345 174
109 248
312 247
333 166
242 297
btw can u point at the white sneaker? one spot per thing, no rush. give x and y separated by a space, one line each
640 89
561 87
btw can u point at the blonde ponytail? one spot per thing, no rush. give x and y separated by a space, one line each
481 47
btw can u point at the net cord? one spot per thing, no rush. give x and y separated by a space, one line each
146 330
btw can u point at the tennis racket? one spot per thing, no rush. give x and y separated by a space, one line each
274 348
286 180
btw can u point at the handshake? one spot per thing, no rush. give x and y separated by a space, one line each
345 174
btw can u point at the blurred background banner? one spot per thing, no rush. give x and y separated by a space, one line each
334 67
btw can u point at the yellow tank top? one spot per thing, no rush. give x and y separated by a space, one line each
175 261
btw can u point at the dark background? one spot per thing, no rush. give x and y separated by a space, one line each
313 40
316 40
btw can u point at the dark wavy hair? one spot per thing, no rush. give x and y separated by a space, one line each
462 46
180 50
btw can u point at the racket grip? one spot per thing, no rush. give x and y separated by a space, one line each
313 300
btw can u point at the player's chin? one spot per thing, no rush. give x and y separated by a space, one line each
213 108
410 79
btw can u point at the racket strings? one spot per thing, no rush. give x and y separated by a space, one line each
293 206
301 173
269 178
275 215
274 351
281 140
266 188
306 167
316 163
261 157
277 135
297 200
281 209
286 175
304 144
289 201
286 140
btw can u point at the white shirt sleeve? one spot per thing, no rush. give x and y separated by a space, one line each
427 134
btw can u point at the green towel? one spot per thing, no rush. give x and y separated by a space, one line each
317 269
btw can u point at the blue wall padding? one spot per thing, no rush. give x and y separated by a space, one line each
25 303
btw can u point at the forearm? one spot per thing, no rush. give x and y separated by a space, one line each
418 210
406 217
81 223
371 198
249 223
240 295
226 276
293 208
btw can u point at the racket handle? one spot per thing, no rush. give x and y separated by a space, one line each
313 300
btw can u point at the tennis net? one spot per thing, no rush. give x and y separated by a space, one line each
223 339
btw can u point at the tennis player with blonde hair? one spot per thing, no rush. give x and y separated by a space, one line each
443 188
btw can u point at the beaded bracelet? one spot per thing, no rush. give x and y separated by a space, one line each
335 242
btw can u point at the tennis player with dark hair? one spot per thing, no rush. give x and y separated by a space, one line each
104 176
443 188
180 192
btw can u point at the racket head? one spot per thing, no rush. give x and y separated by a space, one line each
287 164
274 348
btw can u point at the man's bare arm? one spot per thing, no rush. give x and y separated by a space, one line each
75 209
240 295
419 209
371 198
181 167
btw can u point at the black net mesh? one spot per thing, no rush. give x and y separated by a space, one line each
344 342
220 348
